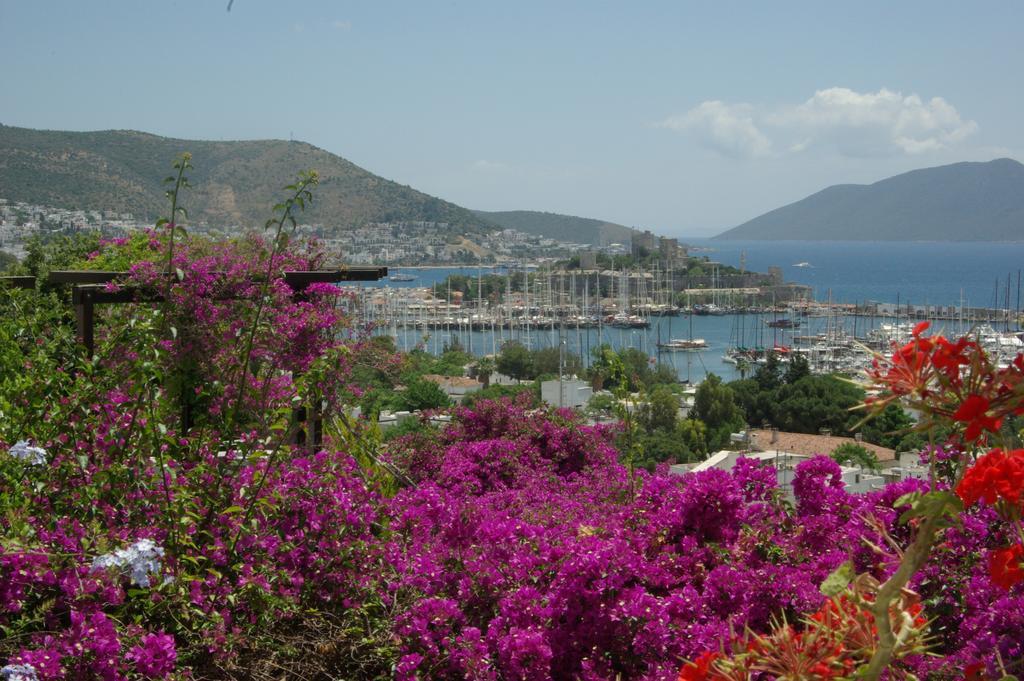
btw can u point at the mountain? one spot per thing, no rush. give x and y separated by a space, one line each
234 183
958 202
560 227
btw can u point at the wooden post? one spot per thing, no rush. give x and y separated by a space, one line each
84 317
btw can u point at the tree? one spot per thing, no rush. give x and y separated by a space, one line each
859 455
891 429
816 402
659 446
420 394
637 365
769 374
547 361
485 366
7 260
661 410
515 361
693 434
452 362
607 370
797 369
715 405
662 374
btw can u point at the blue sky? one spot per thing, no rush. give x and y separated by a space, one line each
686 118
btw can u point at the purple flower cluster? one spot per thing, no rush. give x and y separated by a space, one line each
513 546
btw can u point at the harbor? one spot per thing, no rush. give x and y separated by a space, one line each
726 331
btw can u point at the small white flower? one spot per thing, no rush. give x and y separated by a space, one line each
138 561
35 456
18 672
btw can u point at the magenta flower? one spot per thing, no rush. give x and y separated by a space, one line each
155 655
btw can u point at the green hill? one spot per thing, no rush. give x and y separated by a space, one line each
958 202
235 183
561 227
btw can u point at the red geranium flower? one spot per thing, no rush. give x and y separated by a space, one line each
1004 566
997 475
699 669
974 412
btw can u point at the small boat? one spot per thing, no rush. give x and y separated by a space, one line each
401 276
685 344
803 264
782 323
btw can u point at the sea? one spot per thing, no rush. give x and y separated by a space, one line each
971 274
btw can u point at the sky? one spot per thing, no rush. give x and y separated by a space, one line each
681 117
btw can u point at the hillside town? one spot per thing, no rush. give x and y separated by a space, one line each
385 243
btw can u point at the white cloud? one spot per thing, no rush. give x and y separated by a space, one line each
728 128
341 25
877 123
883 123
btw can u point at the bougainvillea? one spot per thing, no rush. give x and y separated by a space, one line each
161 518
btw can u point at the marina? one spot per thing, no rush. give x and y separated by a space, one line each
728 338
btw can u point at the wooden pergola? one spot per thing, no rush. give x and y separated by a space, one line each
89 288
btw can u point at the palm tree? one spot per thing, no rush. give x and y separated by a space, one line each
484 368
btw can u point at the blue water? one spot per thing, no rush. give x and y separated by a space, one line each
853 272
932 273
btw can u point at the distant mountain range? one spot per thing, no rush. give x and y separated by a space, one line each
237 183
958 202
561 227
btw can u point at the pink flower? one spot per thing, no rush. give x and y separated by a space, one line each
155 655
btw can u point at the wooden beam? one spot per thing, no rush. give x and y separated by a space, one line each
83 276
18 282
298 279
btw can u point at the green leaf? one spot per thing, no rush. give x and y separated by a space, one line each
179 273
232 509
840 578
943 504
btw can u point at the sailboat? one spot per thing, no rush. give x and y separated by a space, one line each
690 344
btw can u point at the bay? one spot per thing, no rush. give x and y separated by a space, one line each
920 273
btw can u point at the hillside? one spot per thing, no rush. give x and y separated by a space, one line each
958 202
235 183
561 227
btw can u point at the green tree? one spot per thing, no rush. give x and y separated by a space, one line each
662 374
485 366
660 446
515 361
637 365
892 429
693 434
660 411
547 360
853 453
769 374
601 403
7 261
421 394
452 362
496 392
607 370
797 369
816 402
715 405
